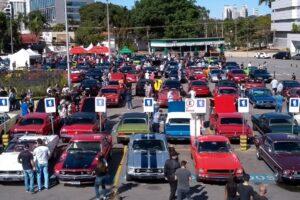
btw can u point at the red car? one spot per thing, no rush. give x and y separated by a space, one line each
256 83
113 95
237 75
80 123
230 125
198 75
228 91
162 99
133 76
118 76
77 76
78 162
214 159
34 123
200 87
293 93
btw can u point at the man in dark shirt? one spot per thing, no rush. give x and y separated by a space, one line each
244 189
183 177
26 159
170 168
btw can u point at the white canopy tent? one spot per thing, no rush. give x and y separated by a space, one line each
22 57
89 47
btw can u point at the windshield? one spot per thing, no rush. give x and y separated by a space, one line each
238 71
89 82
31 121
80 120
227 91
18 146
148 145
213 147
109 91
289 147
179 121
257 93
85 146
276 122
172 84
198 83
231 121
134 121
113 83
261 71
291 84
217 71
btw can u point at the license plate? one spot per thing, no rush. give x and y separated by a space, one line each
73 182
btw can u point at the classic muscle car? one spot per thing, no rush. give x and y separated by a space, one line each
282 154
200 87
131 123
288 85
10 169
261 98
274 123
78 162
162 99
77 76
146 157
237 75
254 83
216 74
214 159
33 123
113 96
260 74
90 86
230 91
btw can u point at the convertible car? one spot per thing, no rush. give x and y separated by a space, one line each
78 162
146 156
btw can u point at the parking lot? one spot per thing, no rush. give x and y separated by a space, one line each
159 190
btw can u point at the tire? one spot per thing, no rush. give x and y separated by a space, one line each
128 178
258 156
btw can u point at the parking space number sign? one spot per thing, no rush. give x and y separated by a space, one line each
294 105
148 105
50 105
243 105
100 104
4 104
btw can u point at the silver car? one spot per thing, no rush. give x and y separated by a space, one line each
147 154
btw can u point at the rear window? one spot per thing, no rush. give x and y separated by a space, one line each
31 121
85 146
134 121
199 83
80 120
238 72
148 145
231 121
213 147
227 91
179 121
280 121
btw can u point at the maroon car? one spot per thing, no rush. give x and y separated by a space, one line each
282 153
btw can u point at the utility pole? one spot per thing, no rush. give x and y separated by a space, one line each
10 7
67 45
108 31
235 31
149 50
222 29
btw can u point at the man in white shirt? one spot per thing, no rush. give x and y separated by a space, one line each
274 84
193 94
42 154
147 75
249 64
170 96
279 88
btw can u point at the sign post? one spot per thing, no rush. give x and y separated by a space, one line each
100 107
50 107
148 106
294 105
243 107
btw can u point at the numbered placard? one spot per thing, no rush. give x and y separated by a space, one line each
50 105
243 105
197 105
4 104
148 105
294 105
100 104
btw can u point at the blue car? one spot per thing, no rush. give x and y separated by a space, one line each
261 98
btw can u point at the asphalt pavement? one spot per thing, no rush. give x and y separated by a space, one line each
159 190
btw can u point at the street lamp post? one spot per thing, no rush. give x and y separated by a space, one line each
67 45
11 29
108 30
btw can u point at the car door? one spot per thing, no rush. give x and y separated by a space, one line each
264 149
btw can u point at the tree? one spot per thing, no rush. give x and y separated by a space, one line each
36 22
295 28
267 2
59 27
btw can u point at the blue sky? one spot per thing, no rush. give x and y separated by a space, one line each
215 6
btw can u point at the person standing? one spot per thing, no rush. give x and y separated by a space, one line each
170 96
279 88
262 193
231 189
129 99
42 154
279 99
101 172
274 84
26 159
156 121
293 77
245 190
171 165
24 108
192 94
183 177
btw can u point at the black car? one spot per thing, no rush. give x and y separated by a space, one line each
94 73
231 64
140 86
282 55
260 74
91 86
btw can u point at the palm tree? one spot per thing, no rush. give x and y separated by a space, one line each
267 2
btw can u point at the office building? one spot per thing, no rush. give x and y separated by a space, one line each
232 12
284 15
255 12
244 11
227 12
54 10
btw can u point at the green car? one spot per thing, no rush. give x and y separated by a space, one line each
247 70
132 123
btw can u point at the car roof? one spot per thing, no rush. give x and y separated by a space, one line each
88 137
151 136
276 115
283 137
176 115
110 87
135 115
212 138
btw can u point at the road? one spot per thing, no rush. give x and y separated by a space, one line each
138 190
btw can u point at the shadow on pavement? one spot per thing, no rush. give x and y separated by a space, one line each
199 191
114 163
126 187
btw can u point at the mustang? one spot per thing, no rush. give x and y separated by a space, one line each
131 123
77 76
260 74
214 159
200 87
34 123
230 91
281 153
177 126
78 162
274 123
237 75
254 83
146 157
261 97
162 99
216 74
230 125
113 95
288 85
10 169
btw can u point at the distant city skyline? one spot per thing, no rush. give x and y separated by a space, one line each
215 6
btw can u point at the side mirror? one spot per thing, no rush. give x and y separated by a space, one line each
206 124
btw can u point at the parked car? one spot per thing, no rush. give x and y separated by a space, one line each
146 156
220 91
282 55
162 99
287 85
90 86
77 163
216 74
261 74
200 87
10 168
130 124
94 73
296 57
262 55
113 95
226 83
214 159
274 123
261 98
237 75
281 154
77 76
254 83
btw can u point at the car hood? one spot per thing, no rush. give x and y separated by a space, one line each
28 128
9 162
288 161
142 128
232 128
111 96
178 129
79 160
147 159
264 98
213 160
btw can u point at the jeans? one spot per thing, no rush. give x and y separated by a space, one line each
29 177
155 127
99 183
129 104
183 192
173 188
42 168
278 108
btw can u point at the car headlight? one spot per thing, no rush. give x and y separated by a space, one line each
130 170
287 172
239 171
201 171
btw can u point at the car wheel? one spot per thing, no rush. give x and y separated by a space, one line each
278 177
128 177
258 156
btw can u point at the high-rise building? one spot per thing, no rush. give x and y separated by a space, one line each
54 10
284 15
227 12
19 6
235 12
255 12
232 12
244 11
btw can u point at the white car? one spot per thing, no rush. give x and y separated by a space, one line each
10 168
262 55
7 121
